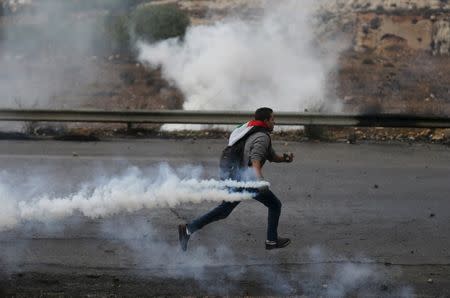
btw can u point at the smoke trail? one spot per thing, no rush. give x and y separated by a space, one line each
240 64
129 192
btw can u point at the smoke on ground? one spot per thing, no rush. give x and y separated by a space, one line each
144 242
342 276
241 63
129 192
153 248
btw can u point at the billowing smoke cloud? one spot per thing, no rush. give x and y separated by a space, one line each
244 63
45 56
129 192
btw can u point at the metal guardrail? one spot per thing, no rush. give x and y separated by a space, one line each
223 117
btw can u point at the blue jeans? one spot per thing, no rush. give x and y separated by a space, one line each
223 210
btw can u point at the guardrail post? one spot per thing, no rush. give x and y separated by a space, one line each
130 126
316 132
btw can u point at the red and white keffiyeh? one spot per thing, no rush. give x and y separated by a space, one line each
240 131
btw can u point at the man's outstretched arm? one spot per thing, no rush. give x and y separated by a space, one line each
257 165
286 157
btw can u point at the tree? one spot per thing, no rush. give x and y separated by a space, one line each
158 22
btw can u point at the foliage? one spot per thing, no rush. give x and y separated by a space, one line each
114 33
150 23
158 22
113 4
83 5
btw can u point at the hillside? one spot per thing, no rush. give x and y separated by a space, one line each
399 58
395 59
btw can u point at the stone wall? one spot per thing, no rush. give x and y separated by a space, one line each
375 31
441 37
385 5
421 25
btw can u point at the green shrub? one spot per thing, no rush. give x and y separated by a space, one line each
149 23
158 22
113 5
368 61
128 78
115 31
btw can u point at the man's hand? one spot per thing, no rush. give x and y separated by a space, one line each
288 157
285 157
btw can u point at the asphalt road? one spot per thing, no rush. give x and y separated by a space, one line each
365 220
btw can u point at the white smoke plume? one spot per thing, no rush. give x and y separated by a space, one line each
153 248
8 211
129 192
242 63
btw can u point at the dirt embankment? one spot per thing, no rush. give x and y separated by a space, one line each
397 64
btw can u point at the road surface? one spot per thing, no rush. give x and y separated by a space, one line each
365 220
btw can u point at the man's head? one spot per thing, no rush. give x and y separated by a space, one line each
265 115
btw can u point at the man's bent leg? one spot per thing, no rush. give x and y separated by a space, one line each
218 213
269 199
